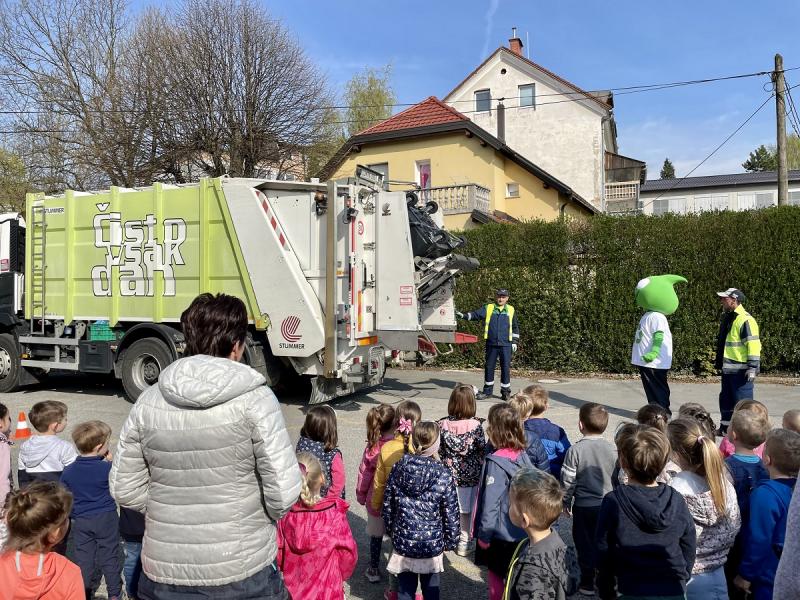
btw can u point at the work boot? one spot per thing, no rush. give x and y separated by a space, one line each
482 396
505 394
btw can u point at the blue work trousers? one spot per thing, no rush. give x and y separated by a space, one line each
493 353
735 387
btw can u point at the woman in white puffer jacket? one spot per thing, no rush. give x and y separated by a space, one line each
205 455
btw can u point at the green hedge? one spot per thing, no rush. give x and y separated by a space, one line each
573 284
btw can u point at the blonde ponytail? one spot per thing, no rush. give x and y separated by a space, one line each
715 473
313 478
701 456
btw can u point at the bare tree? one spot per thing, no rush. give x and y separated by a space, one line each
63 62
242 91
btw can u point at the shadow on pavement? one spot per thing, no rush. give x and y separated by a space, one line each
578 402
98 385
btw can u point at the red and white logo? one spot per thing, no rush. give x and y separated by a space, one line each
289 329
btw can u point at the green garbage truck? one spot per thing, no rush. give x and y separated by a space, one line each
338 278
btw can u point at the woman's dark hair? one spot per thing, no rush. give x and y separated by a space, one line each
3 411
320 426
213 325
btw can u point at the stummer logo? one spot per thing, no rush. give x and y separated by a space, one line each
289 328
133 247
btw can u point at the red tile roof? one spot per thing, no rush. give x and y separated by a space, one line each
430 111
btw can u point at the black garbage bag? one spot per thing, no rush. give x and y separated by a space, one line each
428 240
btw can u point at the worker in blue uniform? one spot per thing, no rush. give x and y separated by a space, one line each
501 332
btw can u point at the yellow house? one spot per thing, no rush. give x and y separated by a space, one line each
473 175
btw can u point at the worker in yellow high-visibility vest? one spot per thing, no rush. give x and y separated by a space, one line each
738 354
501 332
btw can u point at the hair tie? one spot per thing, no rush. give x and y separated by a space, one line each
700 439
404 426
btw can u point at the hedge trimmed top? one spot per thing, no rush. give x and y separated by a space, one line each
572 283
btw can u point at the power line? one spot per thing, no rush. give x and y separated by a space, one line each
713 152
794 118
580 95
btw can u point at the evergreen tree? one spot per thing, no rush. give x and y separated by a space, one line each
668 170
761 159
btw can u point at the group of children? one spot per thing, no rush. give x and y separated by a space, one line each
661 512
64 488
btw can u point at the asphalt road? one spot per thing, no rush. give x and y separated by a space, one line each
92 398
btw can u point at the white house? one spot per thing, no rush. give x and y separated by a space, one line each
553 123
738 191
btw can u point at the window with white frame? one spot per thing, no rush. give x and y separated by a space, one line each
746 201
710 202
661 206
423 173
764 199
512 190
527 95
483 101
794 198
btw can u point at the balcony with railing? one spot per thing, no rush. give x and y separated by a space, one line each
455 199
622 197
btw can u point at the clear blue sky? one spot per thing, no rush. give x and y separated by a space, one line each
596 45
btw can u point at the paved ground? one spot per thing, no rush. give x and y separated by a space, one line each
100 399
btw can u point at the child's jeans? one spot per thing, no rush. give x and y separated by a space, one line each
708 586
584 525
407 586
132 568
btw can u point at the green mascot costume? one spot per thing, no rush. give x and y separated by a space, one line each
652 346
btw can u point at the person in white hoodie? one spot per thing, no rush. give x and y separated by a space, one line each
205 456
44 456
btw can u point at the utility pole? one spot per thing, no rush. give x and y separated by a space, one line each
780 107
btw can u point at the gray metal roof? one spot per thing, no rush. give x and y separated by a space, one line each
708 181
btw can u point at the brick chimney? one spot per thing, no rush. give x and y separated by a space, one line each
515 44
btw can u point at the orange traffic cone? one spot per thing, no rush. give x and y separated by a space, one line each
23 431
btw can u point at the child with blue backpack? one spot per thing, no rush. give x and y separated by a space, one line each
554 438
497 535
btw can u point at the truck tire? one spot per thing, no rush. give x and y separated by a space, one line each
9 363
142 364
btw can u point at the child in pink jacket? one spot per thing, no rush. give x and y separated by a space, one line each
379 431
316 549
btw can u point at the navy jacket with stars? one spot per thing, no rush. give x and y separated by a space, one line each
420 507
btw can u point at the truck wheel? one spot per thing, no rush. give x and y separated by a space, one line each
142 364
9 363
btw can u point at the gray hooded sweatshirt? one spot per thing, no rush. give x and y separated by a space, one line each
205 455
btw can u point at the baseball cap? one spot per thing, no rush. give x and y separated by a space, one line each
732 293
501 292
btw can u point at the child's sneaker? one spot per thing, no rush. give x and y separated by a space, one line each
588 592
372 575
465 547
